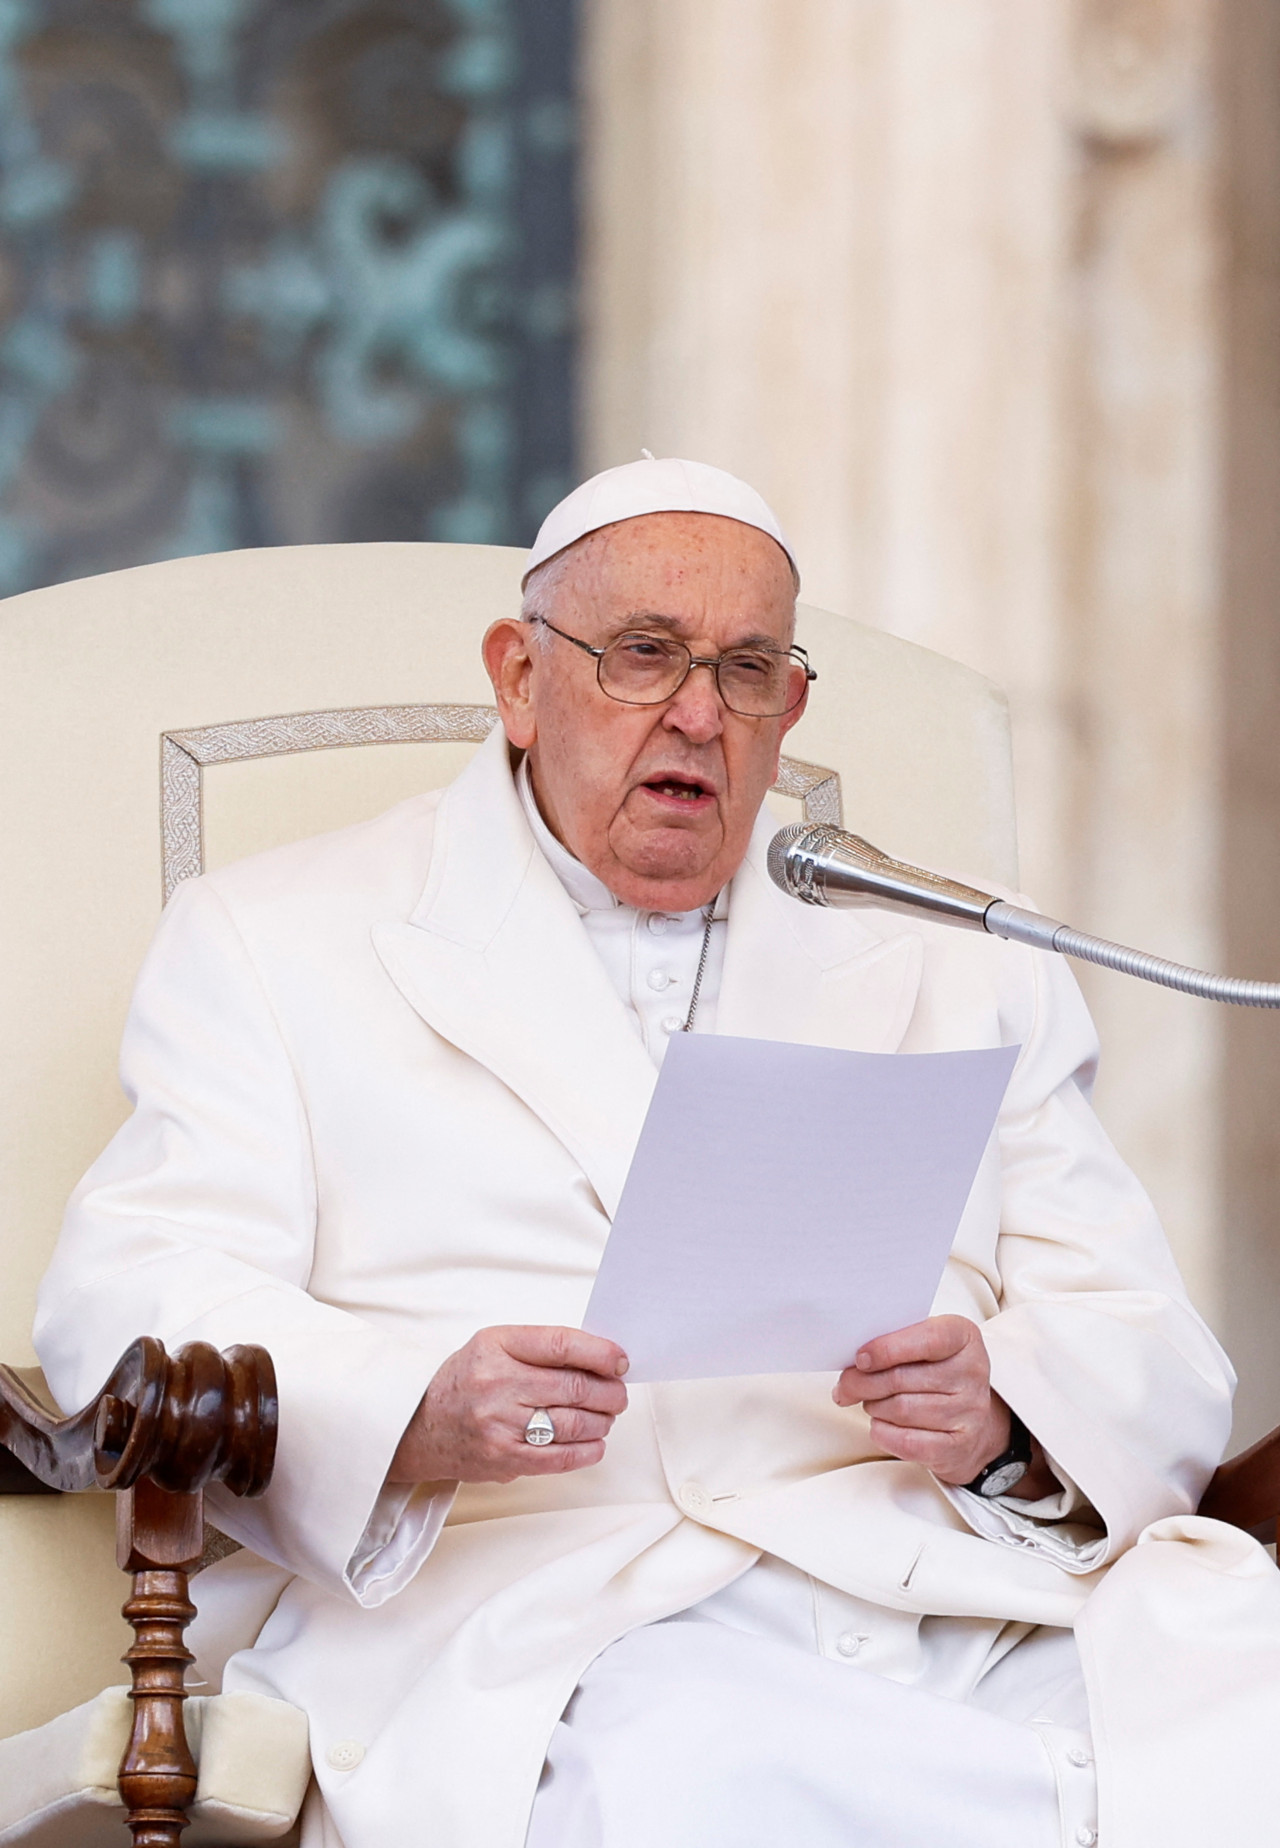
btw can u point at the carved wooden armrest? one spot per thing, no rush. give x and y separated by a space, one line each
160 1430
1246 1491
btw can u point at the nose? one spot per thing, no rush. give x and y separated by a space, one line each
697 709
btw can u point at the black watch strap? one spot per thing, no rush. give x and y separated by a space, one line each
1006 1471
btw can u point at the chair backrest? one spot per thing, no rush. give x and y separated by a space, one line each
188 667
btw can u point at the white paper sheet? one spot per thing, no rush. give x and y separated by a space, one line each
787 1203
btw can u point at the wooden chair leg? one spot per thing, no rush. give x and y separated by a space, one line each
159 1539
159 1430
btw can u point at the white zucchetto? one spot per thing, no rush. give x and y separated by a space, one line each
666 486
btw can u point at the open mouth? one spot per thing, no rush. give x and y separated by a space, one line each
679 789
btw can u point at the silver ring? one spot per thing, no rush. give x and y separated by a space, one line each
540 1429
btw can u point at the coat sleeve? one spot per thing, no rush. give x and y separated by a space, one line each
198 1223
1096 1345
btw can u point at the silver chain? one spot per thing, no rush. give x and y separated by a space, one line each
710 915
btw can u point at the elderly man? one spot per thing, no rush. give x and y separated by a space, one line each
387 1086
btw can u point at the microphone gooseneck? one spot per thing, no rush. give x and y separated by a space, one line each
822 865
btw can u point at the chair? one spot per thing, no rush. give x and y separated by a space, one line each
190 712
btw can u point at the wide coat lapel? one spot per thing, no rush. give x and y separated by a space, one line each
495 958
817 977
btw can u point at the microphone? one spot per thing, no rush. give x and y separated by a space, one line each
822 865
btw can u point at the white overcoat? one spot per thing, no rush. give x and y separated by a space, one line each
386 1095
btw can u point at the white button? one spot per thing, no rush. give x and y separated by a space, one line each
658 923
849 1644
693 1498
659 979
345 1755
1086 1837
1076 1756
672 1023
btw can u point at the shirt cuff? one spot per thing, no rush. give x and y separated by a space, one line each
398 1536
1057 1526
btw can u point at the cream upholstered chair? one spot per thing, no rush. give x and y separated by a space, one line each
142 730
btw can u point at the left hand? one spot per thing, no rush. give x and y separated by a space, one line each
928 1391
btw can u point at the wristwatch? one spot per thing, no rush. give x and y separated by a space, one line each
1006 1471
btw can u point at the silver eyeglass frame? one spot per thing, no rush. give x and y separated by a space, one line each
795 653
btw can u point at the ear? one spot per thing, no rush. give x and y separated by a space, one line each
508 660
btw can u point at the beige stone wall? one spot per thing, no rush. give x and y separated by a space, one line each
1248 672
983 295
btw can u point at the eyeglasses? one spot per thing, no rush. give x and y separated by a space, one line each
645 670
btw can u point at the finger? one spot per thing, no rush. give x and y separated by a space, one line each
559 1459
957 1375
923 1411
571 1426
936 1339
564 1347
961 1373
934 1449
540 1388
953 1460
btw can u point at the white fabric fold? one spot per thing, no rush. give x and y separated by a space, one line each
701 1736
1069 1544
400 1534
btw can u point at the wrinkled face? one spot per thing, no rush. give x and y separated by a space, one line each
657 801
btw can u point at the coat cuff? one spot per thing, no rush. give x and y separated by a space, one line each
347 1391
1126 1391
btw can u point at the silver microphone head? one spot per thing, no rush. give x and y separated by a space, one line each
823 865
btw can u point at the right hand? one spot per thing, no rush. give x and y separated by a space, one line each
469 1426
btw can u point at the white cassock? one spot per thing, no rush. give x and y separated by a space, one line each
387 1094
762 1713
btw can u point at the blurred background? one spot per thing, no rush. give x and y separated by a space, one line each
984 295
277 271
